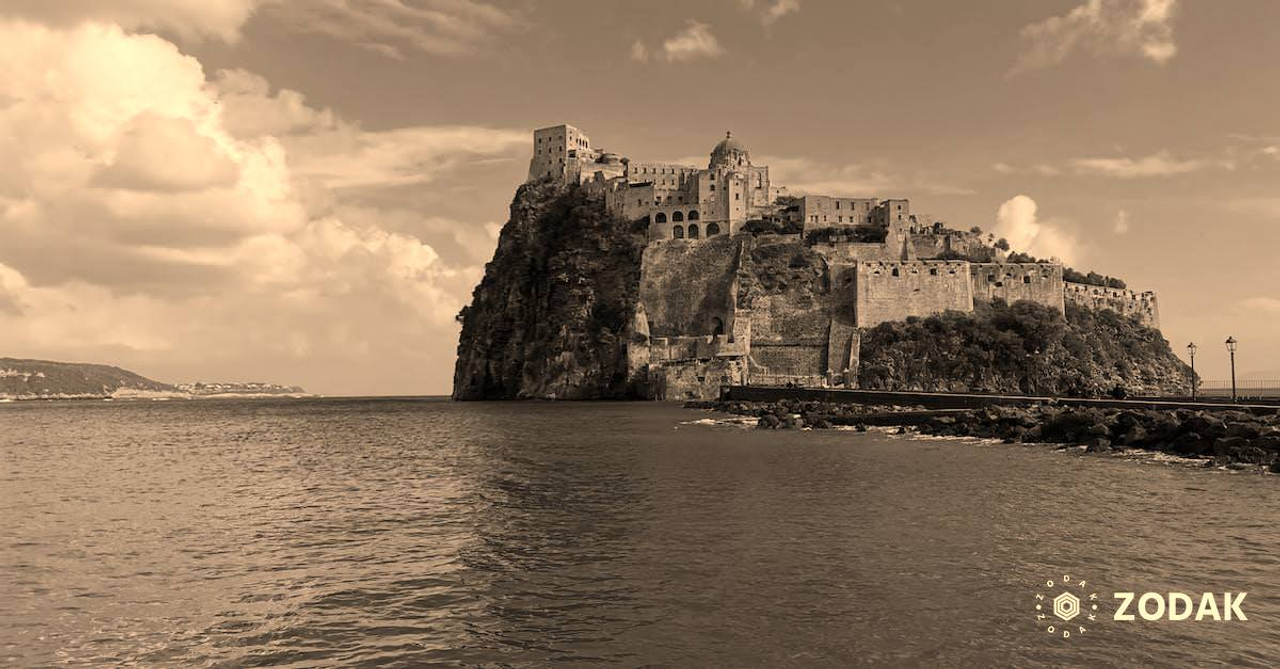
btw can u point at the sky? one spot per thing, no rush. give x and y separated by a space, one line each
306 191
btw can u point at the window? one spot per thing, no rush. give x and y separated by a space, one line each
693 216
837 204
693 231
1026 279
713 187
677 216
712 229
933 271
661 218
895 271
677 232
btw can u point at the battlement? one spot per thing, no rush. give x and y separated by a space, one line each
1140 304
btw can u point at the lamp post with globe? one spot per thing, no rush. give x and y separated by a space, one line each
1231 346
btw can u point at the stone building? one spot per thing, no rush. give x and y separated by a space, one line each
697 327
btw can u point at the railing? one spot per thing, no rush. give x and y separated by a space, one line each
1244 387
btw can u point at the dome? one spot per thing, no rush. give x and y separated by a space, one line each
729 145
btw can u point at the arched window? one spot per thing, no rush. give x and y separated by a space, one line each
677 216
713 229
693 215
693 231
717 325
678 232
660 218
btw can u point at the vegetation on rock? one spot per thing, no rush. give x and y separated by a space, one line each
1022 348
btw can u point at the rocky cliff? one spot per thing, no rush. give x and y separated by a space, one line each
553 313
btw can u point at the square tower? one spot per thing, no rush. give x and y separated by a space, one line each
555 149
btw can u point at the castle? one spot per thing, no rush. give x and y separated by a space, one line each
703 319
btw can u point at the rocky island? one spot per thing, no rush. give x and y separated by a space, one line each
621 279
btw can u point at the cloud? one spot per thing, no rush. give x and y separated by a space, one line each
211 227
1135 28
1268 305
1017 221
394 28
1122 222
771 11
806 176
1160 164
639 52
695 41
188 18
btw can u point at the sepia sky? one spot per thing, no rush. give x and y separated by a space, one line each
305 191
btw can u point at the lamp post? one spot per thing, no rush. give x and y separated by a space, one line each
1191 348
1231 346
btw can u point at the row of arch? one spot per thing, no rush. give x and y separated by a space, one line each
678 231
676 216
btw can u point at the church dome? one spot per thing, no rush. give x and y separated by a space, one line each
728 151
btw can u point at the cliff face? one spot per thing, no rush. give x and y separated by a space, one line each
1024 347
553 314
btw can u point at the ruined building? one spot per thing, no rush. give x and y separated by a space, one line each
709 312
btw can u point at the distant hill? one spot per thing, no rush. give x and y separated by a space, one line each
43 378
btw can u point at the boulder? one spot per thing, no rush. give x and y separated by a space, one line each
1229 446
1244 430
1099 445
1190 443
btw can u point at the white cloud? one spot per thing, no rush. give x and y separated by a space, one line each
1017 221
1160 164
1122 222
394 28
201 227
1141 28
695 41
639 52
806 176
188 18
779 9
1268 305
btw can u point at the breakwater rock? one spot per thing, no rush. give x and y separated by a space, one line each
1217 436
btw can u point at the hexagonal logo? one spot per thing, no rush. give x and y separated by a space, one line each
1066 606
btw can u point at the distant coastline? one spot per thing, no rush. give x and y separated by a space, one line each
31 380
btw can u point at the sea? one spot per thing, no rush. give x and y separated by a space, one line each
389 532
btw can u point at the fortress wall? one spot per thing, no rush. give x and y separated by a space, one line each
932 245
781 319
1143 305
685 285
892 291
778 363
1037 282
855 251
695 379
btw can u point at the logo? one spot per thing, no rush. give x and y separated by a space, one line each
1068 607
1063 608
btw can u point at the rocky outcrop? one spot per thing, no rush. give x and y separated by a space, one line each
556 308
1023 348
1221 437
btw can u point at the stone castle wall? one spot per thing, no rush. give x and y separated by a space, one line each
891 291
1036 282
1126 302
686 285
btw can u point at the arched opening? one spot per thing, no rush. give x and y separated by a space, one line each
693 231
717 325
677 216
661 217
693 215
678 232
713 229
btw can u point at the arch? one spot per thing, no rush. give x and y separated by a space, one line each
713 229
693 231
677 216
693 214
717 325
660 218
677 232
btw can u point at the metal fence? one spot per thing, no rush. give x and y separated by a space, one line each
1244 387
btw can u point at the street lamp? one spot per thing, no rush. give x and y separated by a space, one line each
1191 348
1231 346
